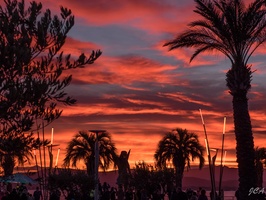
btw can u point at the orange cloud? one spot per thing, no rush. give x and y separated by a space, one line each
125 70
182 98
76 47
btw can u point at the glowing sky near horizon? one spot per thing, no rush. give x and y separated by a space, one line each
138 90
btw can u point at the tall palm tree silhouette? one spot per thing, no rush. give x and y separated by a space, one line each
233 29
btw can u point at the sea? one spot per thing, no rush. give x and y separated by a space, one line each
228 195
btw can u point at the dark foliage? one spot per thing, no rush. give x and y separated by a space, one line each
31 75
31 64
69 182
151 181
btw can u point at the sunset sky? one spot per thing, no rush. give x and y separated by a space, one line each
138 90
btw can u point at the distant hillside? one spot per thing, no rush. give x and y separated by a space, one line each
194 178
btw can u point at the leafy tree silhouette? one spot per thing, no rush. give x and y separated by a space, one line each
32 65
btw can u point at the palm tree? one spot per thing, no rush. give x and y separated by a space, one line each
229 27
81 147
260 160
17 148
181 147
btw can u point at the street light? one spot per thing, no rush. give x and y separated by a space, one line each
96 150
213 171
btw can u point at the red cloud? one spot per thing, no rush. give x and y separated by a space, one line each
126 70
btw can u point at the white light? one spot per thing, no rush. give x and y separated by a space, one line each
224 125
201 117
207 149
224 158
52 136
57 157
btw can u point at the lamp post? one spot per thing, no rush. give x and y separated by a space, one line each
213 172
96 151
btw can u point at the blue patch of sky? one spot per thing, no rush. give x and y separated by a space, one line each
117 40
180 2
95 89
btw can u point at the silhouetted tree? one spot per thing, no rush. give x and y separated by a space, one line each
69 181
181 147
229 27
81 147
152 181
17 148
142 178
32 64
31 68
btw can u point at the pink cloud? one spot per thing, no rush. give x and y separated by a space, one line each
184 55
183 98
147 15
125 71
105 109
75 47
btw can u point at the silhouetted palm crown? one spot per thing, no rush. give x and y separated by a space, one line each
227 27
181 147
81 147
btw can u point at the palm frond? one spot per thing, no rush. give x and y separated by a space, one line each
179 146
82 148
226 26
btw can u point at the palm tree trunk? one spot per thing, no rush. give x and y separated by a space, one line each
244 145
8 164
90 168
179 176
